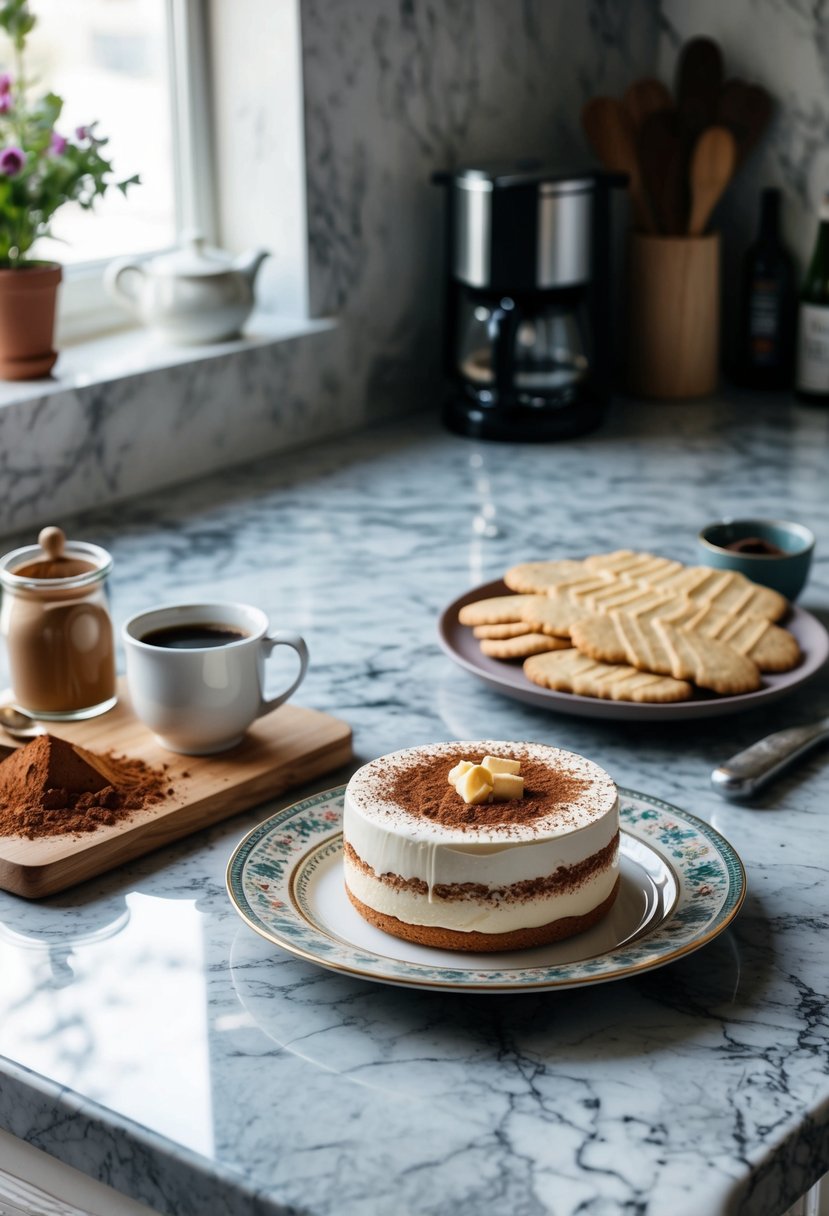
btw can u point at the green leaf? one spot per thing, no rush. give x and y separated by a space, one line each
17 21
48 180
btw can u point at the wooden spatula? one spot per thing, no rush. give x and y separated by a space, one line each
712 166
746 109
663 171
644 97
610 132
699 78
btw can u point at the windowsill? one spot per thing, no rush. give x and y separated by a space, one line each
134 351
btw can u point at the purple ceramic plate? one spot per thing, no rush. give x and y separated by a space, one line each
508 676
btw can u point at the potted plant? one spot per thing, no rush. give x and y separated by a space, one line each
40 170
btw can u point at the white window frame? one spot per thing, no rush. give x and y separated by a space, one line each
85 309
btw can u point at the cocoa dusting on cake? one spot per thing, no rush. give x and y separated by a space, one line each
424 791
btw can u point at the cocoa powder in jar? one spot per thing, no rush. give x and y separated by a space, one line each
58 631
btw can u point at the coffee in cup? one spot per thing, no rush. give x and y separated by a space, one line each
195 672
193 636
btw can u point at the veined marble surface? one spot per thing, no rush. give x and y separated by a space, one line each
150 1038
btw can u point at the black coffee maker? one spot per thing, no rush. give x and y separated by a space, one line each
528 308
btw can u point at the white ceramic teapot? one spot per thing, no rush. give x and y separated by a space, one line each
191 295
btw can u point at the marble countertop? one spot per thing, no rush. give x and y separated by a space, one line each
150 1038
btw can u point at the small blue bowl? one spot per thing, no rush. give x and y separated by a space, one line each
748 546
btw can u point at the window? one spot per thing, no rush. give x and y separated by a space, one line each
110 62
178 87
139 68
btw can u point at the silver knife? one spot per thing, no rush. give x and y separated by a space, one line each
747 772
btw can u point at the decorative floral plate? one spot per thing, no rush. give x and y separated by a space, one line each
681 885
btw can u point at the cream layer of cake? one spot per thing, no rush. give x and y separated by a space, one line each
491 869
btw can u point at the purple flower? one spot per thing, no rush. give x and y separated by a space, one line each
58 144
82 132
12 161
5 83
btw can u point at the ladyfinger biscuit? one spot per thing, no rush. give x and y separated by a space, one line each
711 663
766 644
512 629
534 578
556 612
521 647
726 590
570 671
664 648
496 610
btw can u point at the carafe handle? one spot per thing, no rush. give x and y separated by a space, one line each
502 327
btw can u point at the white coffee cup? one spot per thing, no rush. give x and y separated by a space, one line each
202 698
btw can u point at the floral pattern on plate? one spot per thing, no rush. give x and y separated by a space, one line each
275 873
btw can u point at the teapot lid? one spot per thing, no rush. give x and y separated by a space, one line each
192 259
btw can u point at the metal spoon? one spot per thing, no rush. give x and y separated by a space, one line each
744 774
19 723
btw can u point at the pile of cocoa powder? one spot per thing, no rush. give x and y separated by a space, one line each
426 791
51 787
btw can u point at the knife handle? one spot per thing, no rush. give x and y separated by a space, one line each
747 772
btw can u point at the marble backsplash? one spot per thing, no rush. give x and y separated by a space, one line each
396 91
393 91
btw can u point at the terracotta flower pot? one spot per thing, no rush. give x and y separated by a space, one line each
28 296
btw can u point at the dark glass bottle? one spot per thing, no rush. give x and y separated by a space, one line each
812 370
769 304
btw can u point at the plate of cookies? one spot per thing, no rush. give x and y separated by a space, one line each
633 636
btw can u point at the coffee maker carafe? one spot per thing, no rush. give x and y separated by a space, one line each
527 300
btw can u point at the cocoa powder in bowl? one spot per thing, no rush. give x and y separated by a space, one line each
51 787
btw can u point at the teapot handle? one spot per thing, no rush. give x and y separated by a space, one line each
122 279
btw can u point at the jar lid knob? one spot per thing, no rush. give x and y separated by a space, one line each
51 541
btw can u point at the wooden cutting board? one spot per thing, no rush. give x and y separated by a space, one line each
286 748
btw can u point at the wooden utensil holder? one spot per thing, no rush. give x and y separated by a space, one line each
673 315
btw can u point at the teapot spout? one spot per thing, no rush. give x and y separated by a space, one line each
248 263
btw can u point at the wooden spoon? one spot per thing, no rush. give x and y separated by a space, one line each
699 78
712 166
644 97
746 109
663 171
610 132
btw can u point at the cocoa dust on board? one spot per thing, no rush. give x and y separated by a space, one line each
51 787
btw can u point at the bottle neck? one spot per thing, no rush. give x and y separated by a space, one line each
820 257
769 231
817 275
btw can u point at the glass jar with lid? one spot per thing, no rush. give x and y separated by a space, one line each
55 621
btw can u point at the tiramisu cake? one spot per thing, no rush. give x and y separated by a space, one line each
481 846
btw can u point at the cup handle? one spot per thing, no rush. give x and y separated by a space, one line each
270 642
